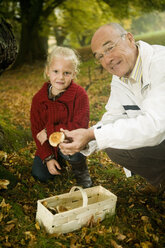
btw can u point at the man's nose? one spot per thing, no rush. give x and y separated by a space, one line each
107 59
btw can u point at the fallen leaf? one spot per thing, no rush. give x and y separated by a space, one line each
145 218
1 216
8 228
121 237
73 243
156 238
7 243
3 155
87 239
4 183
29 235
12 221
114 244
146 244
37 226
5 205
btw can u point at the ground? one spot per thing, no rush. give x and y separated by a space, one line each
139 218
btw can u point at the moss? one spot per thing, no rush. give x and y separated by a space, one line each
12 137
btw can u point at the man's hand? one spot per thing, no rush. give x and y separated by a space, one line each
53 167
78 139
42 136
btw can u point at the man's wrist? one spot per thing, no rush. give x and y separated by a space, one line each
91 135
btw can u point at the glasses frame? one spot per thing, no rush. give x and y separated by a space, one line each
108 49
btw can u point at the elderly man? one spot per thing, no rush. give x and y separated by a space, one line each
132 130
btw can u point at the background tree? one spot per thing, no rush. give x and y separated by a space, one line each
75 21
8 48
32 15
148 22
125 8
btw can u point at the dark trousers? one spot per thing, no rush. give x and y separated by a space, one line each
148 162
40 171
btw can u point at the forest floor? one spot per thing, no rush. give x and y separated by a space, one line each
139 218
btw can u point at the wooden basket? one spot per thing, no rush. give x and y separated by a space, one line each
80 206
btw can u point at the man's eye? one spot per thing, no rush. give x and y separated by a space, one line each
108 49
99 57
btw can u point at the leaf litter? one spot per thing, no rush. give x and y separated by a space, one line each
139 219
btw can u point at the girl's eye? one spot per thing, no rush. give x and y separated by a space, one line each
67 73
55 71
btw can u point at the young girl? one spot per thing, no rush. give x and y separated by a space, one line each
60 103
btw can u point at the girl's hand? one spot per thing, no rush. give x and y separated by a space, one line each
42 136
53 167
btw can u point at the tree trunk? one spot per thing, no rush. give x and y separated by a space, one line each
8 48
33 46
60 35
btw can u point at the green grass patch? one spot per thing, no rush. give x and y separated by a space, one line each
157 38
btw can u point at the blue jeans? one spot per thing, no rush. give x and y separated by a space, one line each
40 170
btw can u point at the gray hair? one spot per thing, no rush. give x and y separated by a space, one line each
66 53
117 27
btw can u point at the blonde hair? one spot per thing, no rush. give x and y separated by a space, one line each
66 53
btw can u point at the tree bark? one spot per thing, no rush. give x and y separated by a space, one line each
33 42
33 46
8 48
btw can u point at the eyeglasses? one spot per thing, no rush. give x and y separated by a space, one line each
108 49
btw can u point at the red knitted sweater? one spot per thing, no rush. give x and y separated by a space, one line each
70 111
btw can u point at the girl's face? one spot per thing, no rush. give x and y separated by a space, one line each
60 73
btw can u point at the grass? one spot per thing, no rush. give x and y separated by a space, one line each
157 37
139 218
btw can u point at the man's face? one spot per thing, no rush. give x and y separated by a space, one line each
116 53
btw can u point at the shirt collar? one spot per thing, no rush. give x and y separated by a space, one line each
51 96
136 74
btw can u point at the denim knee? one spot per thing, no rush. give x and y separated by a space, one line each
40 171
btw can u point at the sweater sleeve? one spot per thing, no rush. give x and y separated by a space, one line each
37 125
80 112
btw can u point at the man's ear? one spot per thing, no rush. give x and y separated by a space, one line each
130 37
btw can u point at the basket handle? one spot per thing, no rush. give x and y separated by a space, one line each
83 193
